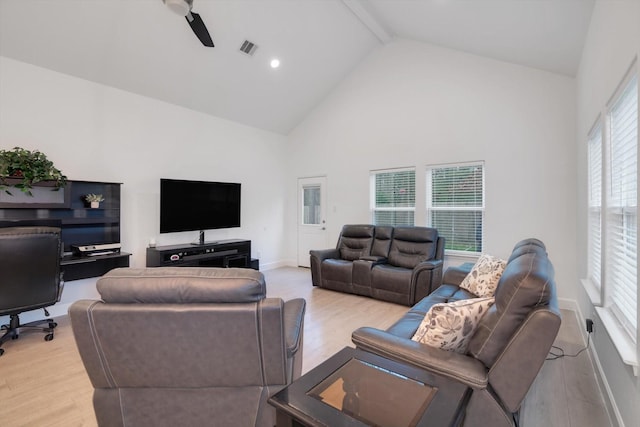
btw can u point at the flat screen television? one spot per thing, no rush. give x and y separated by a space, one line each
198 205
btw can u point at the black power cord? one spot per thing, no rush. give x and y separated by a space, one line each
561 353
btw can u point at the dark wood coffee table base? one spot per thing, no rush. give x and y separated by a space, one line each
356 388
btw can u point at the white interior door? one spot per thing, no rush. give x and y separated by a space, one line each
312 209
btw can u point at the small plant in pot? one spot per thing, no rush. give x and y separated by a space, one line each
94 200
23 169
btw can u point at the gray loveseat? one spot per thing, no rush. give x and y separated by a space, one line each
508 347
399 264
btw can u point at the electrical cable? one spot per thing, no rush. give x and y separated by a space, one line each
554 356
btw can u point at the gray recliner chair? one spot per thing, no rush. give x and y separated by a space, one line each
187 346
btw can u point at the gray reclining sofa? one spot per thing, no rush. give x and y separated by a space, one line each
399 264
506 350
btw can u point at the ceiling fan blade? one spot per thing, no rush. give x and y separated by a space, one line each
200 30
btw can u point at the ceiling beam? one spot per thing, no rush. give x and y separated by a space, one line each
368 20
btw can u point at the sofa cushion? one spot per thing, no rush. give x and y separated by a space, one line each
391 283
483 278
337 274
449 326
408 324
382 241
412 245
444 294
527 282
355 241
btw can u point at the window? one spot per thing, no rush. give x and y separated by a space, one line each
311 207
595 205
455 205
620 259
393 196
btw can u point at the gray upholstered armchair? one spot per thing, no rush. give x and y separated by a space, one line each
187 346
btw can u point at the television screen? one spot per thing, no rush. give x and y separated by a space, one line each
198 205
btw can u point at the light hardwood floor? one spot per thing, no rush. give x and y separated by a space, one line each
44 383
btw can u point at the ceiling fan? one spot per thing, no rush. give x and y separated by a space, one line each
183 8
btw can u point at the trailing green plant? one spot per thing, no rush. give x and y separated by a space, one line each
30 167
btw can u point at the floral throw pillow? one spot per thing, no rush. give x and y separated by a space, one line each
483 278
449 326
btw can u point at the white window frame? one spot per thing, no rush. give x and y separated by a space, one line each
430 208
618 223
595 148
372 197
621 219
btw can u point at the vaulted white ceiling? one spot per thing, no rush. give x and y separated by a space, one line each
142 47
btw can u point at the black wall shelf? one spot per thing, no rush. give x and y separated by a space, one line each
82 267
80 225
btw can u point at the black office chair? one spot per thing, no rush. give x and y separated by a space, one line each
30 277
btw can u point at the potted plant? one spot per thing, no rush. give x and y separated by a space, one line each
94 199
23 169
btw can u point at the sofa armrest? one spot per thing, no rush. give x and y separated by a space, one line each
426 278
322 254
459 367
316 256
429 265
455 275
293 324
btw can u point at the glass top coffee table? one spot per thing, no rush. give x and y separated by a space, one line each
356 388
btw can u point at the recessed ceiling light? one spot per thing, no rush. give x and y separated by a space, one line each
275 63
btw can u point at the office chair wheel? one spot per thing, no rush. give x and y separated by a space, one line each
52 325
1 351
48 337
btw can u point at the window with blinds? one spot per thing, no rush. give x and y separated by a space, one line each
595 205
312 206
393 196
455 205
621 286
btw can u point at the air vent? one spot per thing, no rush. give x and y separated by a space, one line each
248 48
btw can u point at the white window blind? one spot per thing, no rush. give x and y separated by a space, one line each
622 207
393 197
595 206
455 205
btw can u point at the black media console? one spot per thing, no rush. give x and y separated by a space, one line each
224 253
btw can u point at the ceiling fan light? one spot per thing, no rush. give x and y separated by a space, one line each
180 7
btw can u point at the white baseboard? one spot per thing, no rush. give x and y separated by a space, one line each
610 403
273 265
568 304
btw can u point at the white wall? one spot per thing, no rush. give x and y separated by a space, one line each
413 104
96 133
612 43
